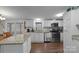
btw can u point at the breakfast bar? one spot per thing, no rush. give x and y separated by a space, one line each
20 43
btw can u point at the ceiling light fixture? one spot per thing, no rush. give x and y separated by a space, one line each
1 17
38 20
60 14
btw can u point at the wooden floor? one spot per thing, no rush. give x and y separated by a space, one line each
47 48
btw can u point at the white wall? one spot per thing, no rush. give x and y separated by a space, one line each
75 20
75 30
67 39
14 26
70 20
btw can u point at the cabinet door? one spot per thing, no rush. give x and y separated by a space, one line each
37 38
40 37
16 48
32 37
25 46
29 44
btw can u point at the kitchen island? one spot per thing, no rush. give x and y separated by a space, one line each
20 43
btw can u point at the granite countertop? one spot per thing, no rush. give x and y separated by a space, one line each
40 31
18 39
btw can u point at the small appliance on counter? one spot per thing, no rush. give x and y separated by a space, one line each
28 30
32 30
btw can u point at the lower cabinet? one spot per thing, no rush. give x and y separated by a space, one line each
27 46
11 48
37 37
24 47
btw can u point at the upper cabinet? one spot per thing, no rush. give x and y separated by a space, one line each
47 23
29 23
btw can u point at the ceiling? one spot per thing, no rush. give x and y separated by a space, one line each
30 12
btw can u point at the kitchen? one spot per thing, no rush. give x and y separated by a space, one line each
41 29
25 29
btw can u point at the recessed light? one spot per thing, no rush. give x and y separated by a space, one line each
38 19
0 17
3 19
60 14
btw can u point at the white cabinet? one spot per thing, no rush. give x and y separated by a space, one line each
11 48
27 45
37 37
67 37
24 47
71 18
29 23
